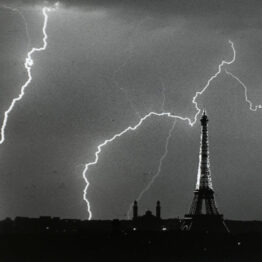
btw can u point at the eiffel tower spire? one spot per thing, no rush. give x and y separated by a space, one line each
204 174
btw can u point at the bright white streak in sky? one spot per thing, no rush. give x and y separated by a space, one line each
29 62
162 158
191 122
251 106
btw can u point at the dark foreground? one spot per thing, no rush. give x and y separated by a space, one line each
132 246
47 239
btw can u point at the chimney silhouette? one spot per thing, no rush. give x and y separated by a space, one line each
158 210
135 210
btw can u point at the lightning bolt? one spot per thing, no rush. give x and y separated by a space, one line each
191 122
158 170
29 62
162 158
251 106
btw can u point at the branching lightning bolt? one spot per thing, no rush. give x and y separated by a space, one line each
251 106
162 158
29 62
163 114
158 169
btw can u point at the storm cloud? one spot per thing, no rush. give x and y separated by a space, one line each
107 63
164 7
228 15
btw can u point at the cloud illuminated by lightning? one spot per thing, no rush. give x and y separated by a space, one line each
29 62
130 50
16 10
162 158
191 122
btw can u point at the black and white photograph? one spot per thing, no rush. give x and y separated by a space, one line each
130 130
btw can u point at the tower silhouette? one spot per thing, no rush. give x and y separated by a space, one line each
135 210
158 210
203 214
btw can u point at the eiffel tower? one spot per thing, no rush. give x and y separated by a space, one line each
203 215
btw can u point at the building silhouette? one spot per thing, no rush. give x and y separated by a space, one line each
158 210
147 237
203 214
135 210
148 221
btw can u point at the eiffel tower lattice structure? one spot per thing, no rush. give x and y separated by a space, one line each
203 215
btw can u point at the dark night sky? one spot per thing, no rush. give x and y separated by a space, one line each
105 61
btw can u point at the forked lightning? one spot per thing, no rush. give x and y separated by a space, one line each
191 122
152 180
29 62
